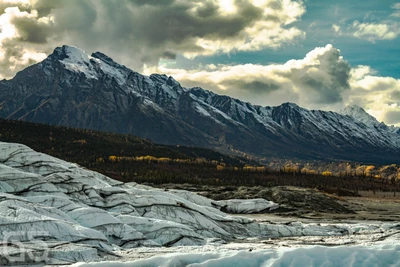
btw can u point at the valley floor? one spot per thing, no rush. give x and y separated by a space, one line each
307 204
373 240
371 243
367 208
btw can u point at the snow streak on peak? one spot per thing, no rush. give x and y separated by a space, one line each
74 54
106 59
93 67
290 104
360 114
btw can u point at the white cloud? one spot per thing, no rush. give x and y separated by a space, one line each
396 12
318 80
376 31
380 96
321 80
336 28
388 29
13 56
269 31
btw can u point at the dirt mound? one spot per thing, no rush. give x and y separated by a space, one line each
304 199
294 200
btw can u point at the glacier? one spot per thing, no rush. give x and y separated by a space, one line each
56 212
316 256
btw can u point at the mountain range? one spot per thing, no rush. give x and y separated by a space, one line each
74 89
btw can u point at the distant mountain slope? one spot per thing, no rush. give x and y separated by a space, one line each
74 89
85 146
360 114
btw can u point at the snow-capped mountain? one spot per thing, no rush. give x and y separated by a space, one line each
79 90
360 114
394 129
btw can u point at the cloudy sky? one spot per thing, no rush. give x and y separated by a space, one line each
318 54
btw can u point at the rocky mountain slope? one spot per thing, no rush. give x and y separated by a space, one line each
74 89
361 115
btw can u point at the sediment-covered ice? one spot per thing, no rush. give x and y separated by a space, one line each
314 256
57 212
237 206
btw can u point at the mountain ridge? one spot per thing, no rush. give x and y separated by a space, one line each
74 89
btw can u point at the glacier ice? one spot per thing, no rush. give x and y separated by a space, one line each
75 214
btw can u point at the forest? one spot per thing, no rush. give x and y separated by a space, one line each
132 159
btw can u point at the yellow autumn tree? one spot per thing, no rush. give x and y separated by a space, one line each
220 167
327 173
100 160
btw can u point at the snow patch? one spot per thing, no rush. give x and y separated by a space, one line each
202 111
78 60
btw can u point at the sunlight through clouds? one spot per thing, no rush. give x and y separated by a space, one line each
151 29
227 7
12 56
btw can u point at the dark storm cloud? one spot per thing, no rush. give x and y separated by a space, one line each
76 16
9 52
135 32
208 10
152 2
257 87
256 91
168 55
13 58
45 7
319 79
321 92
277 5
392 117
148 28
395 96
326 81
3 7
31 30
175 23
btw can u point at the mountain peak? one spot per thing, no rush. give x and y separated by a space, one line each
106 59
360 114
93 66
290 104
74 54
354 109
